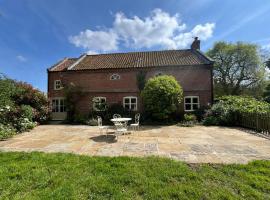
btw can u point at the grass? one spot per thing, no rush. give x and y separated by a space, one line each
67 176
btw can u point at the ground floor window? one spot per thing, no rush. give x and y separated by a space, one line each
130 103
191 103
58 105
99 103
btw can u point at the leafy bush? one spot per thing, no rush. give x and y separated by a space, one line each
27 112
189 120
225 111
92 122
200 112
24 124
210 121
161 96
21 106
6 131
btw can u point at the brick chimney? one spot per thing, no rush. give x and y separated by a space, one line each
196 44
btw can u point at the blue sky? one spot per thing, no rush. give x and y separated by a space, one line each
34 34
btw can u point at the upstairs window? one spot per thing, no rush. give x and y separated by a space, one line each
130 103
58 85
58 105
115 77
99 103
191 103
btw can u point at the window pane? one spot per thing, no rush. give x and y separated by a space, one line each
188 100
133 106
195 106
133 100
61 109
126 100
195 100
187 106
126 106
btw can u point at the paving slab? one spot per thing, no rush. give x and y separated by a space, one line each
197 144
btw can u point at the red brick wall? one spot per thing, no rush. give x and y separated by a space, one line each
194 81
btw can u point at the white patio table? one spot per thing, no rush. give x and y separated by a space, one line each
121 124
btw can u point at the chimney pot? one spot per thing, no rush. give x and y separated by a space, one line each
196 44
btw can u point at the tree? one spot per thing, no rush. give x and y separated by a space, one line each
266 93
161 97
237 67
267 63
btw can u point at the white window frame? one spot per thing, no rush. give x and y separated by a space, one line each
191 103
115 77
57 85
58 105
94 103
130 97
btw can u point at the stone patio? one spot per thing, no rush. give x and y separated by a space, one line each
191 144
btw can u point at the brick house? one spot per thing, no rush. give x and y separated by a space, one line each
112 78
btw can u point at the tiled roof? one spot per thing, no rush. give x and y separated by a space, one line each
63 64
135 60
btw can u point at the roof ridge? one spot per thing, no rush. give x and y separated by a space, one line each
77 62
59 63
130 52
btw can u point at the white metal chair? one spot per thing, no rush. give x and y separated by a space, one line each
101 127
116 116
136 125
121 128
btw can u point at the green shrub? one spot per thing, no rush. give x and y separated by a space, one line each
92 122
6 131
200 112
210 121
27 112
190 118
24 124
161 97
225 111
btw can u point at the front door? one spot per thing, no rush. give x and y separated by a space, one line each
58 109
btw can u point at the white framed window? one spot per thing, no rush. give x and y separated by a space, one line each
191 103
115 77
99 103
58 105
130 103
58 85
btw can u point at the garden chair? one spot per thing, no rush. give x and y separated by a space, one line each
136 125
116 116
101 127
121 128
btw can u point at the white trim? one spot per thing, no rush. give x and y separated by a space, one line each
77 62
129 97
54 85
191 103
93 103
115 74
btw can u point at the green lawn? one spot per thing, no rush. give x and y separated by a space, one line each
67 176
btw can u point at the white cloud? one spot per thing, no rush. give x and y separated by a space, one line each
266 47
21 58
96 40
160 29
